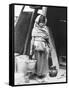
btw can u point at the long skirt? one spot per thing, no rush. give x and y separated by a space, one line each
42 62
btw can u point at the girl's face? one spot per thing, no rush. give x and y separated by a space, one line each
41 24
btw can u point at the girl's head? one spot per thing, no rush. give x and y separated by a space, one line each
41 20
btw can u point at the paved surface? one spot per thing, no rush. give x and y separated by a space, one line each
61 77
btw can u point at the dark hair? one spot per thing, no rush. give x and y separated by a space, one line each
41 19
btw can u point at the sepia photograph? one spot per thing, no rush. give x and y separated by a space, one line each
40 44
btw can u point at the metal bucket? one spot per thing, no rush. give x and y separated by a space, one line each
31 65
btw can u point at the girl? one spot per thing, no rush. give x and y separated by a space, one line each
40 46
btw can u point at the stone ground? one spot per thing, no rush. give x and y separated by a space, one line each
61 77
